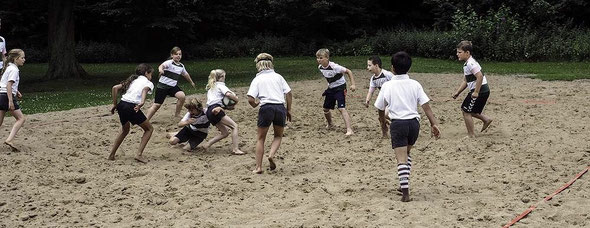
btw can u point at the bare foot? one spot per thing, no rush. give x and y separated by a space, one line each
329 126
187 147
112 157
349 132
141 159
486 125
238 152
171 134
257 171
12 147
272 165
205 147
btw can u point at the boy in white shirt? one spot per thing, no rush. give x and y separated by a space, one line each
403 95
380 76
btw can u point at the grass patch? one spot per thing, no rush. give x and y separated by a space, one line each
64 94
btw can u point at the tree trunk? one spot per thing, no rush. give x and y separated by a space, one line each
61 41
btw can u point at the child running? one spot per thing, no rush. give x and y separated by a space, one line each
216 90
336 91
9 93
195 125
135 90
380 76
479 91
403 95
272 91
170 71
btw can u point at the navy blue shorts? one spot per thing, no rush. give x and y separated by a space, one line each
194 138
333 95
127 114
471 105
404 132
214 119
161 94
4 102
272 113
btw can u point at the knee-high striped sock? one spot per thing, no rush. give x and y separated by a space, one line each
403 172
409 163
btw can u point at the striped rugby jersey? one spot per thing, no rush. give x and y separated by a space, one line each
172 72
334 74
470 68
377 82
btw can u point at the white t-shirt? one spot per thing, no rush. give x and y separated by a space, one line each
215 95
470 68
202 123
334 73
269 87
403 95
378 81
133 93
2 50
172 72
11 74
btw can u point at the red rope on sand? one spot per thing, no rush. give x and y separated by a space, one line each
527 211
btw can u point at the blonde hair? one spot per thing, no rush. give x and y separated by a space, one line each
214 76
194 104
465 45
264 62
12 56
323 52
173 51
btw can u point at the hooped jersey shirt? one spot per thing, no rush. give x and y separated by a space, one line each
201 124
334 74
471 68
377 81
172 72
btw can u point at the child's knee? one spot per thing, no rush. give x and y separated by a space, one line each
173 141
326 111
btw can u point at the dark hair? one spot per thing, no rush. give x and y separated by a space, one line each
376 61
141 69
465 46
401 62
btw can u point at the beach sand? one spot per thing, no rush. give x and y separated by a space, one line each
539 140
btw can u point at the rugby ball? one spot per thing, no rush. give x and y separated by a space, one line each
227 102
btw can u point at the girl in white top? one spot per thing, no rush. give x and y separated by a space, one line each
170 71
135 89
216 91
9 92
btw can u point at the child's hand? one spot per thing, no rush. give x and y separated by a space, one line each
455 96
289 115
434 131
366 104
192 120
352 88
19 95
137 107
216 110
474 95
113 109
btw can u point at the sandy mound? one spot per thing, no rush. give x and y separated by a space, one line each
539 140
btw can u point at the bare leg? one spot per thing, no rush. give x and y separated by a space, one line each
383 125
346 121
173 140
119 140
486 120
234 134
152 110
328 116
180 96
2 114
147 134
20 120
261 133
469 124
223 132
274 147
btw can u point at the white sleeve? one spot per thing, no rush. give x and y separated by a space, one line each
474 68
253 90
12 75
286 87
422 97
183 71
380 102
372 83
223 89
338 68
167 63
151 86
186 116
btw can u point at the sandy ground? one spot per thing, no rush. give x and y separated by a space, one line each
538 141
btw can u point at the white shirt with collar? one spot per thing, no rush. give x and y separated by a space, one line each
133 93
10 74
403 95
269 87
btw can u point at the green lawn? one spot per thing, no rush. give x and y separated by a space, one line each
46 96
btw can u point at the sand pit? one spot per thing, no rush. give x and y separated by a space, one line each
538 141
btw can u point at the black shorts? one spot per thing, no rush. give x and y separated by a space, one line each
127 114
214 119
272 113
4 102
333 95
194 138
404 132
162 93
471 105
